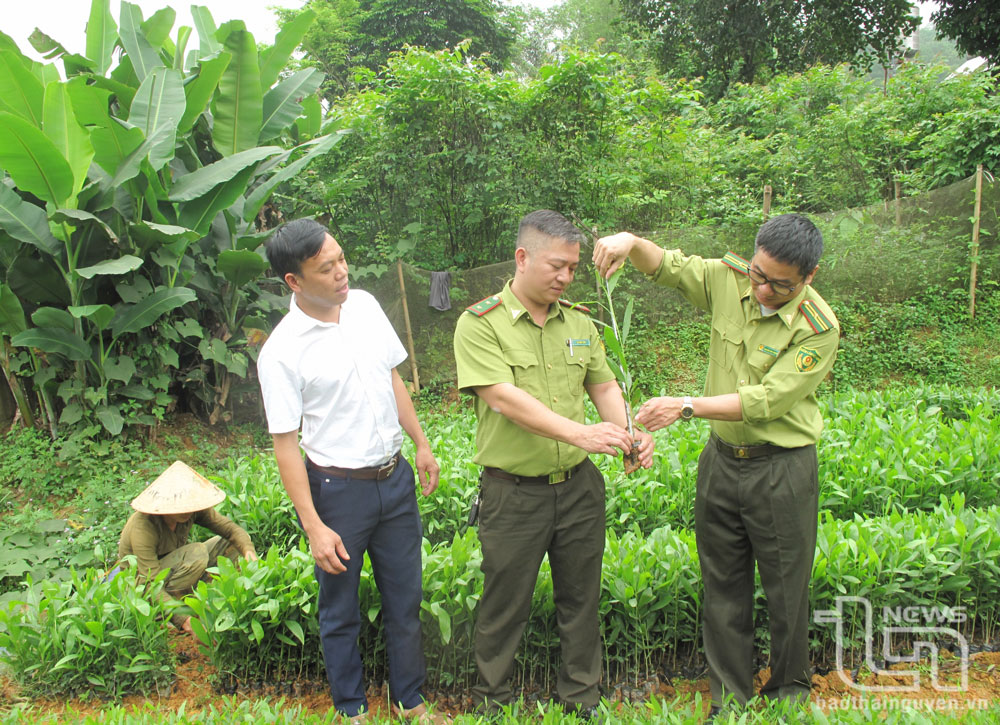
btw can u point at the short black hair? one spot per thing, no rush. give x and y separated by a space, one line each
791 239
547 222
293 243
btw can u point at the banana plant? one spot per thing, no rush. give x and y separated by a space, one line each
128 208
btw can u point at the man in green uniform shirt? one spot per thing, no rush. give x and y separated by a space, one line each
773 341
529 357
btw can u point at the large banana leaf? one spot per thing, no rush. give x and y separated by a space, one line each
11 313
102 34
200 90
21 93
100 315
140 52
129 167
205 26
51 49
198 213
286 41
75 217
281 103
53 340
202 180
113 145
310 122
26 222
158 105
148 234
122 265
33 161
70 138
147 311
157 28
35 279
237 108
52 317
90 103
240 266
256 198
183 33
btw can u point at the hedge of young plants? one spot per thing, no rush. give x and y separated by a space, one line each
909 517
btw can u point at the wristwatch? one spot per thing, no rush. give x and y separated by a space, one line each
687 408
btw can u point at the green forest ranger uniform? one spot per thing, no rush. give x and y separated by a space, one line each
758 488
538 495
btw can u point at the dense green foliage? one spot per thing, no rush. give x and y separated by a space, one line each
87 636
352 39
445 156
129 252
974 25
909 481
727 42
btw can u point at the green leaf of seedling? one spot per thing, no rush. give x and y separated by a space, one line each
296 629
258 631
612 344
225 621
627 323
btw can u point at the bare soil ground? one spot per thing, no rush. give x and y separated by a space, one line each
193 687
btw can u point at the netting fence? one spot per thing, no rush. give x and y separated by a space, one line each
886 252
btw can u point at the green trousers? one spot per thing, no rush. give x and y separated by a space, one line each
518 525
188 564
765 510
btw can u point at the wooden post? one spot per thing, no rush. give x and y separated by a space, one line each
899 196
409 330
767 201
974 251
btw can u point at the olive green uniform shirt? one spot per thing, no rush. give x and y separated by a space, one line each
148 538
774 363
497 341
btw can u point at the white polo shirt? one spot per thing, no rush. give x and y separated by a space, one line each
333 380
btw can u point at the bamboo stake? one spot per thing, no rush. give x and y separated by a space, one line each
899 196
409 331
767 201
975 242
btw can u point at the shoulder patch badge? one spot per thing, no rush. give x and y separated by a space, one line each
806 359
485 305
816 319
736 262
574 305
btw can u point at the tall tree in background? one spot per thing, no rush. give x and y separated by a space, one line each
352 39
730 41
974 25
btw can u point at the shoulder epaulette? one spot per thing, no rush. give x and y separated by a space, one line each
816 319
485 305
574 305
736 262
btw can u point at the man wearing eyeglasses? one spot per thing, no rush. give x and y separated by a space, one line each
774 339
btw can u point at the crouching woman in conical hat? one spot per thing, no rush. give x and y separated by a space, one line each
157 533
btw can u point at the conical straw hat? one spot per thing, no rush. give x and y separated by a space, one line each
178 490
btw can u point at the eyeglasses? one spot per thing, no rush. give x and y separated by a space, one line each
778 287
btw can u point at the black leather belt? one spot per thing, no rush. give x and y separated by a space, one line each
374 473
764 449
557 477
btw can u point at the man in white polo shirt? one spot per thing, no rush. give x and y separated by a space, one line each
329 368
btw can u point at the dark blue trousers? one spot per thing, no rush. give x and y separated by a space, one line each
379 517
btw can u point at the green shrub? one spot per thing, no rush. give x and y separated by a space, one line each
86 636
257 501
257 619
